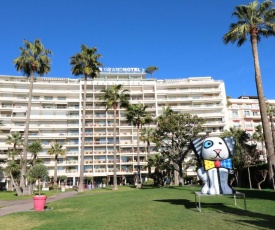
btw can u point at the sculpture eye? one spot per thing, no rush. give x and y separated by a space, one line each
208 144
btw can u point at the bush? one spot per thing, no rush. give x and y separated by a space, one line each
149 182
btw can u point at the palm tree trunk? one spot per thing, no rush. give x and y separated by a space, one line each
81 165
272 130
55 173
263 110
15 185
26 138
138 157
115 174
148 154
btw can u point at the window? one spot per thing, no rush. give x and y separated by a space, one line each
35 97
48 97
248 124
247 113
236 124
255 113
61 98
235 113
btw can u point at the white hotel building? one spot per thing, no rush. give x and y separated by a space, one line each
56 116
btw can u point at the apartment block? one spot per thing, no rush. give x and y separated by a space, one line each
244 113
56 116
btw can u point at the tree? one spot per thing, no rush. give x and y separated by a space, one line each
151 69
138 116
35 148
259 136
56 150
147 136
16 140
160 163
271 112
114 97
85 63
38 172
260 177
13 170
173 136
256 20
32 60
246 153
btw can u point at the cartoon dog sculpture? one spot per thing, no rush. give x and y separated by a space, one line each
216 154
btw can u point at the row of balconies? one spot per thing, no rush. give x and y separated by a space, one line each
129 170
88 162
91 153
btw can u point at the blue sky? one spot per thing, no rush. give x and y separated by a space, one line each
182 38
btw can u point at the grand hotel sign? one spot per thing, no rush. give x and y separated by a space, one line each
122 70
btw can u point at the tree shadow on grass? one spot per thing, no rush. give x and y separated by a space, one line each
259 194
257 219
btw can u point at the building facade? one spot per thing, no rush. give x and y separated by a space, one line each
56 116
244 113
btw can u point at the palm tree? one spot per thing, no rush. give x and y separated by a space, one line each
56 150
85 63
166 113
239 158
259 136
254 21
33 59
16 140
271 112
13 170
114 97
136 113
147 136
34 148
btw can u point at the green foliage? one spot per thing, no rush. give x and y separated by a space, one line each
173 136
114 96
245 151
34 148
151 69
255 18
56 150
137 114
38 171
33 59
63 178
86 62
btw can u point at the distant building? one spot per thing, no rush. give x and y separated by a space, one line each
56 116
244 113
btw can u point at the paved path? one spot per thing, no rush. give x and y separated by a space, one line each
27 205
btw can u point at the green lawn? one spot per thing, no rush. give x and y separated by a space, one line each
12 195
149 208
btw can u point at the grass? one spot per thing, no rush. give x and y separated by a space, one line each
149 208
7 196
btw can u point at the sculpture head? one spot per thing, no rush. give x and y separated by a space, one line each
214 148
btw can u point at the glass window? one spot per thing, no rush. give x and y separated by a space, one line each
246 112
235 113
48 97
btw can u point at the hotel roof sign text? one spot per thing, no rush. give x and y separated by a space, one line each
121 70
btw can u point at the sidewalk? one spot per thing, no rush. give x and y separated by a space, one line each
27 205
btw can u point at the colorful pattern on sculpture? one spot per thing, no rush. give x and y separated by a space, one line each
216 154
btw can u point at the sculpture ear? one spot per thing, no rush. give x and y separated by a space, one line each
197 146
230 143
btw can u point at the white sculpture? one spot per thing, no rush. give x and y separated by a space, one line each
216 154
